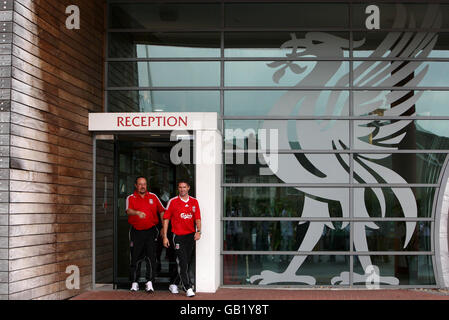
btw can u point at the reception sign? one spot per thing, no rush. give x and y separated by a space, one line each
140 121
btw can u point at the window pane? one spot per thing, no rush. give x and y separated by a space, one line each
280 15
391 235
163 101
285 202
289 168
286 134
287 73
170 15
422 103
268 44
283 236
408 270
372 198
400 74
123 101
375 44
411 168
274 102
389 134
164 74
318 270
392 44
441 49
164 45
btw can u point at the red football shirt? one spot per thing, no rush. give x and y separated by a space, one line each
182 215
149 204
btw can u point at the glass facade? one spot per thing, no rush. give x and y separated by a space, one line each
335 136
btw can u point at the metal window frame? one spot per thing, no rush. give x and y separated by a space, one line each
94 211
351 89
329 253
273 88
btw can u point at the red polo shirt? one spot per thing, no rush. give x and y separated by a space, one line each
149 204
182 215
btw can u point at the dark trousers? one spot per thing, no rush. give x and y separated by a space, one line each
184 246
143 248
170 253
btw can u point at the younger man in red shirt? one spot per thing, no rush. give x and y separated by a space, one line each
143 208
184 213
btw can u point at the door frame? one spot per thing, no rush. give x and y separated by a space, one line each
207 150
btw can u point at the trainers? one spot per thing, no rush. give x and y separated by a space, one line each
173 288
149 287
135 286
190 293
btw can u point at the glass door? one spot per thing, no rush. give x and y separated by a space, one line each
149 156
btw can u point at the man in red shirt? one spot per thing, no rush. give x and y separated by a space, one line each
143 208
184 213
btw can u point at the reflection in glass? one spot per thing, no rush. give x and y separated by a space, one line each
280 236
422 196
373 41
164 101
400 73
401 134
297 73
441 49
422 103
436 75
238 269
279 15
307 103
306 168
173 48
391 236
123 101
409 270
411 168
164 45
268 44
164 74
282 201
168 15
286 134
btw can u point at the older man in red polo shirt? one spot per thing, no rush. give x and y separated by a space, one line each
143 208
184 213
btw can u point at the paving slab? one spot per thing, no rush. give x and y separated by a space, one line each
269 294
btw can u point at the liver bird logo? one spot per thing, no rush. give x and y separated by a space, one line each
383 135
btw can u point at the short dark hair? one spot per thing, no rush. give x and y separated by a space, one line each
140 177
183 181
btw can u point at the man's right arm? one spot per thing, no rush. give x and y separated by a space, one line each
165 221
132 212
165 240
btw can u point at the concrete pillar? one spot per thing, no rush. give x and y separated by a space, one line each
208 181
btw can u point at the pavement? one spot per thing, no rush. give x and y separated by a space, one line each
272 294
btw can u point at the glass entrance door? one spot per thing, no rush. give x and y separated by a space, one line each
149 156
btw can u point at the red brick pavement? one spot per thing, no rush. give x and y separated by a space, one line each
270 294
